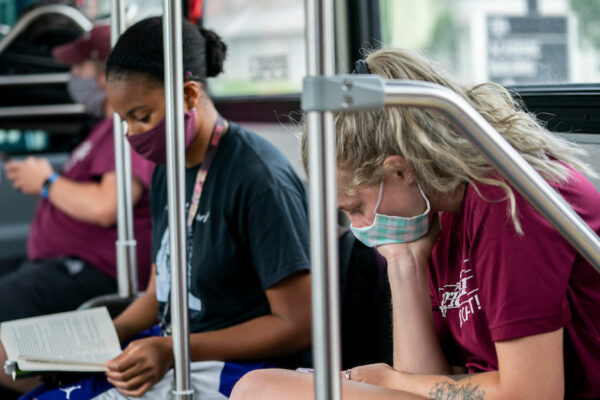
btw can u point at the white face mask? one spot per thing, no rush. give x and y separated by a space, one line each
387 229
86 91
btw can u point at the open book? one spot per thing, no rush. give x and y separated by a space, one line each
78 341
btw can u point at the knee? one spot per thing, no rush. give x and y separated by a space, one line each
251 386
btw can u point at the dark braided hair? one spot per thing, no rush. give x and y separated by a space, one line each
139 50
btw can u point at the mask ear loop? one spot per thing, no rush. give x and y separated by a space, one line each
379 199
424 197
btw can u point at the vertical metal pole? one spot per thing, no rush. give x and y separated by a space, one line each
532 7
342 39
126 243
172 42
323 210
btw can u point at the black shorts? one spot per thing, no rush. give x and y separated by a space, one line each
50 286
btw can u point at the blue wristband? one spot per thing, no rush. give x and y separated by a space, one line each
47 183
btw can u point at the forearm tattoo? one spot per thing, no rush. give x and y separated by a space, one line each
452 391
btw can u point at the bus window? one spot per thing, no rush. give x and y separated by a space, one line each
266 45
513 42
135 10
16 141
547 51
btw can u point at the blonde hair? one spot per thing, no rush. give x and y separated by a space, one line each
442 157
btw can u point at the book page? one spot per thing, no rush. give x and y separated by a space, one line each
83 337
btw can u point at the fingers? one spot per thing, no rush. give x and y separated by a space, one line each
137 386
135 370
12 169
15 172
130 379
12 176
12 164
127 374
127 359
134 382
131 362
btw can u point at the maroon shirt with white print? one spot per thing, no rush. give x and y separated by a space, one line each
490 284
54 234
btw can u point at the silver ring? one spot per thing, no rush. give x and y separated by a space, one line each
348 374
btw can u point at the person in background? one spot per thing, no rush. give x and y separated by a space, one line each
489 300
247 233
71 244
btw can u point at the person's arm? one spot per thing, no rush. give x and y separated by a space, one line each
529 368
86 201
141 314
285 331
89 201
416 346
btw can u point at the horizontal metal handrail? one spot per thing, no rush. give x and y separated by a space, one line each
34 79
75 15
503 156
41 111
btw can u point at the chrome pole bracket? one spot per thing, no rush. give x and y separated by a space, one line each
343 93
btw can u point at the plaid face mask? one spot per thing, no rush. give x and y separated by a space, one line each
388 229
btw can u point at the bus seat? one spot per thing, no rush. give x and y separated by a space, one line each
366 310
366 323
113 303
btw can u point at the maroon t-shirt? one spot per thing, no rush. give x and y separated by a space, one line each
490 284
54 234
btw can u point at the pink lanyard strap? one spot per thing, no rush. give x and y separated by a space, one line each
211 151
218 131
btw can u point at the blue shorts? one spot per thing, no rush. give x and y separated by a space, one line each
209 379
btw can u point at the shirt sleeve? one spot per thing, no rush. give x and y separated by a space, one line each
104 155
277 235
522 279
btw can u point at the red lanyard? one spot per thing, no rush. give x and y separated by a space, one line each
211 151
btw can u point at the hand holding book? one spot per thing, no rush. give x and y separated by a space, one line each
73 341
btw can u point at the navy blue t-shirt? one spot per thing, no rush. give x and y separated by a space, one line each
250 232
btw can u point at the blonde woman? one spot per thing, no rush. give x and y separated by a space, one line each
481 284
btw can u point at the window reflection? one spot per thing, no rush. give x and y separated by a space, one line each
510 42
266 45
